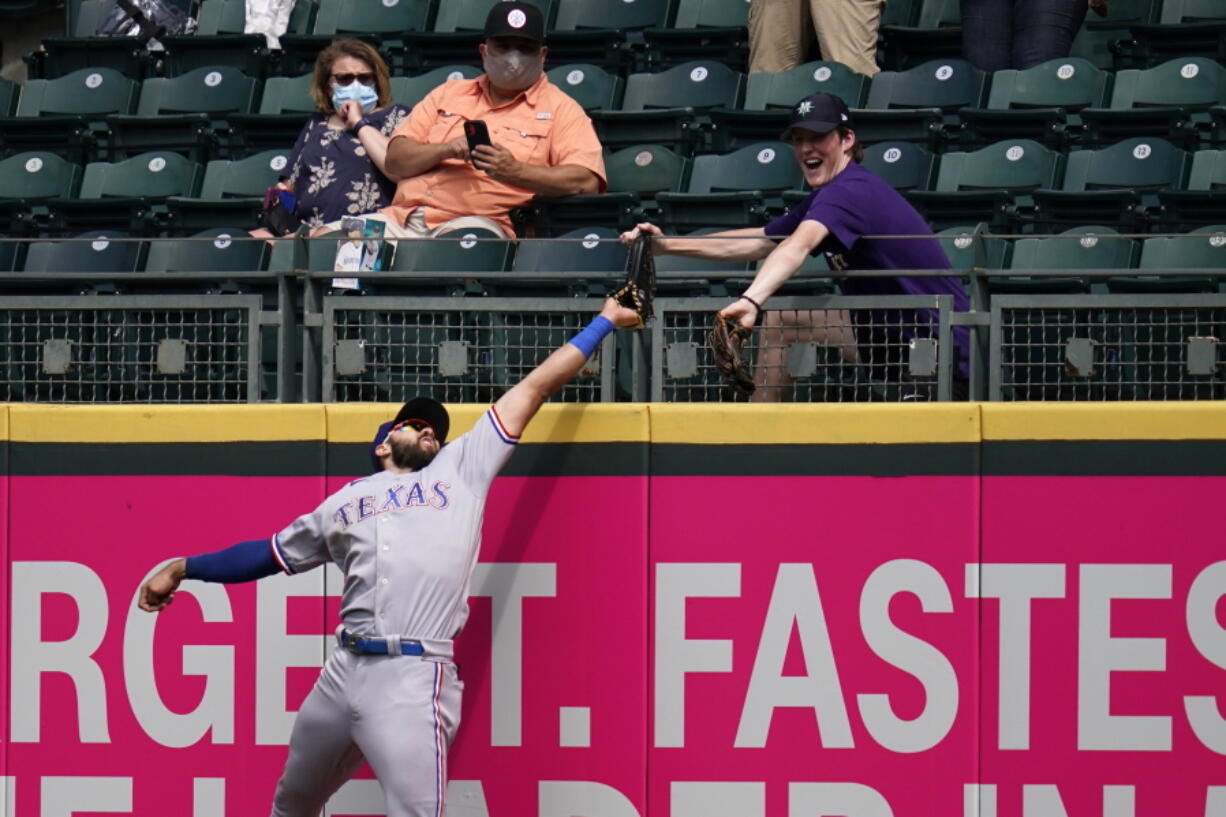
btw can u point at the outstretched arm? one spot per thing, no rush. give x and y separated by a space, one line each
519 405
746 244
244 562
779 266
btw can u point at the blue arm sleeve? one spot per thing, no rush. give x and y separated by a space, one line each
244 562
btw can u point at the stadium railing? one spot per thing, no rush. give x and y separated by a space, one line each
295 332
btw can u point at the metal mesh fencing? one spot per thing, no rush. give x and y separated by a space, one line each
1107 347
454 349
813 349
133 349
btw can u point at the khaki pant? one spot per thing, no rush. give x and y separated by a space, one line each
416 225
780 32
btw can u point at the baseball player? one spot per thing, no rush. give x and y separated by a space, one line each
407 539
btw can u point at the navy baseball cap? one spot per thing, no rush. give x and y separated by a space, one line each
820 113
512 19
427 410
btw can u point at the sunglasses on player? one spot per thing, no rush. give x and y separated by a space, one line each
416 425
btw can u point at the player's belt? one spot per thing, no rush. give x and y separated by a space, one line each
358 645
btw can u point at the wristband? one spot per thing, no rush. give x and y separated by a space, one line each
592 334
757 305
361 123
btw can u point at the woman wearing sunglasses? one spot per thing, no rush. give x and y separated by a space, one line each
336 167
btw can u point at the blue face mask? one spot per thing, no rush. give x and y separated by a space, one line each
364 95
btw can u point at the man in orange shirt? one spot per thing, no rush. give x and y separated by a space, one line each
542 141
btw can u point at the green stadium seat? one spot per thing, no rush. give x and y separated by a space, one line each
456 34
285 106
635 175
1203 248
590 85
1115 185
1087 247
382 23
905 166
990 184
920 104
469 15
738 189
471 250
219 250
1204 202
1185 28
100 339
80 48
27 182
93 251
219 40
187 113
769 98
408 91
67 114
1035 339
935 34
962 247
702 30
518 341
595 31
1039 103
665 108
1101 37
1154 341
588 249
1170 101
680 276
232 192
128 195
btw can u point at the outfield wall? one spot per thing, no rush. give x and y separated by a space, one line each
680 611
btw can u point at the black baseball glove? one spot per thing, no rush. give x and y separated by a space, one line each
727 340
639 289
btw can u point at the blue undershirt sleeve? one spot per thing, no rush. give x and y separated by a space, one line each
244 562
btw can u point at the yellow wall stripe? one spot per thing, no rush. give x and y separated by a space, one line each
555 423
1097 421
710 423
164 423
797 423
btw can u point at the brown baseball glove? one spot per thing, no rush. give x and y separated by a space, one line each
638 291
727 340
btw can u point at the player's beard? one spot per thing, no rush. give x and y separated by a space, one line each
414 457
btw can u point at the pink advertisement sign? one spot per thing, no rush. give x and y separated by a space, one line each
188 712
813 663
911 646
1104 661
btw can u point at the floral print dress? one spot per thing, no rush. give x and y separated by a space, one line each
331 173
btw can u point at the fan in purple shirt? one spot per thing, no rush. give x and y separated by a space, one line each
847 204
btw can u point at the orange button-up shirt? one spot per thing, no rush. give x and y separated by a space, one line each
542 126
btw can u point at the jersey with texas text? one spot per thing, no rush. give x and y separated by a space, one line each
406 543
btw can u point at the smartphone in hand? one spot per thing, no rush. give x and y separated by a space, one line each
476 133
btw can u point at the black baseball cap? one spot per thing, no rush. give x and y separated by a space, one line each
427 410
820 113
512 19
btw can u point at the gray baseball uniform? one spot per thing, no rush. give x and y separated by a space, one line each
407 544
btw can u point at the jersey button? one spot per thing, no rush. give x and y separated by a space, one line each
383 581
